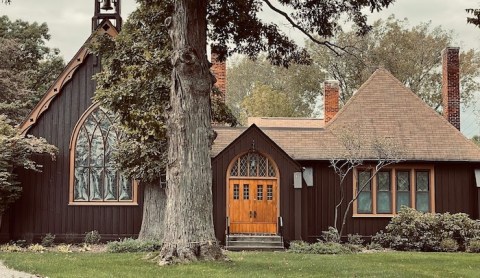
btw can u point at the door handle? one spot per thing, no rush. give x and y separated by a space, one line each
255 214
251 214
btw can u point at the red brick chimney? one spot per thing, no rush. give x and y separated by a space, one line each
219 70
331 96
451 85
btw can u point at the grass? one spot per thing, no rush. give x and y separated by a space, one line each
251 264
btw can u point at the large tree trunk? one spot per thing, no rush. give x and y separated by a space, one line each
189 232
154 202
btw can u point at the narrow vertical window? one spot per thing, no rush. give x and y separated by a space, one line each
364 187
246 192
269 192
422 187
259 192
403 189
236 191
384 193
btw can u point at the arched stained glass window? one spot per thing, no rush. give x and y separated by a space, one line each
94 176
253 165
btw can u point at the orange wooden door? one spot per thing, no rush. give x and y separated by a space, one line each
252 206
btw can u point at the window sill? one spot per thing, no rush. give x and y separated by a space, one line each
109 204
374 215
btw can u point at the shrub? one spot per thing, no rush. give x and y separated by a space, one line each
37 248
84 248
130 245
355 239
64 248
11 248
413 230
318 248
48 240
473 245
92 237
331 235
374 246
448 245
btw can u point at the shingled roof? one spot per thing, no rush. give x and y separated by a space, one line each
382 108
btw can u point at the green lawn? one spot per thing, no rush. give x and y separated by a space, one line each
251 264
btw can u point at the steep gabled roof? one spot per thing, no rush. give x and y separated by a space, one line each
106 27
384 108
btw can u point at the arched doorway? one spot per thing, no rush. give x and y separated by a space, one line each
252 195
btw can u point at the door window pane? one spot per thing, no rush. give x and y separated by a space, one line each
246 192
260 192
269 192
236 191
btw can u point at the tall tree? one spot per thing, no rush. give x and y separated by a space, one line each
134 83
412 54
300 84
189 231
27 66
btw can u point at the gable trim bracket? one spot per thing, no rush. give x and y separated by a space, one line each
105 27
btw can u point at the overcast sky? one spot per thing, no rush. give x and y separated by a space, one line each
70 23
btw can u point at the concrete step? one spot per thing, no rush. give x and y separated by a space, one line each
254 242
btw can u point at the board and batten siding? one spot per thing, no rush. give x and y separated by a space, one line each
43 207
455 191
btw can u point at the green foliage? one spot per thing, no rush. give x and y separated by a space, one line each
11 248
27 66
135 84
48 240
130 245
92 237
411 54
448 245
36 248
416 231
318 248
355 239
64 248
296 88
16 152
331 235
476 139
473 245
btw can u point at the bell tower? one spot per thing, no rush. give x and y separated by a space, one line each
107 9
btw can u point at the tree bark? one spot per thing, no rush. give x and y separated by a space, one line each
154 203
189 231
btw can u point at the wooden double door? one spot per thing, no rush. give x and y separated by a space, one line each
253 206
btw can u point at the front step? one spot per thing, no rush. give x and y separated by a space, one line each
254 243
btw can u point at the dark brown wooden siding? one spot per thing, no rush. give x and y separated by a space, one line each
455 191
43 207
285 165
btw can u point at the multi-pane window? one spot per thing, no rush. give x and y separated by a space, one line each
246 192
384 193
236 191
259 192
364 186
95 178
403 189
253 165
422 191
269 192
391 188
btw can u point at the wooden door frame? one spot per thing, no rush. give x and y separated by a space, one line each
228 178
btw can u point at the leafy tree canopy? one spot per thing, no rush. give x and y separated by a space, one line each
27 66
16 152
135 84
412 54
299 86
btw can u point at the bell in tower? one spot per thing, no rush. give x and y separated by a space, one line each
107 10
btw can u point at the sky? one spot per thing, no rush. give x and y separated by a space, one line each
70 25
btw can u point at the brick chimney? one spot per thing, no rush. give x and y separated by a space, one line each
331 96
219 70
451 85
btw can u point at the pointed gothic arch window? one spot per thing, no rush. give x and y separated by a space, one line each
93 177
